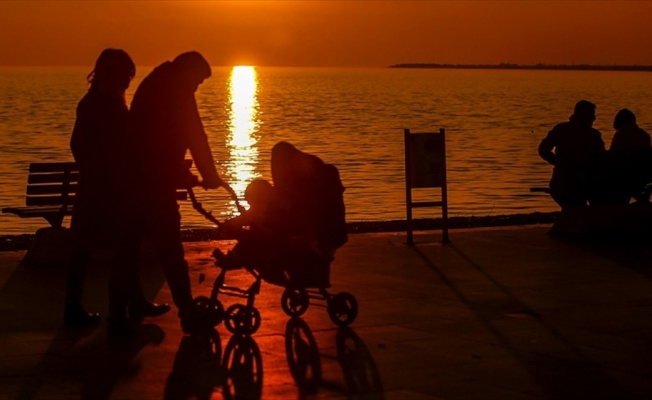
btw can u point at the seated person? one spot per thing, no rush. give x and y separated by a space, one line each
261 197
257 229
313 191
285 235
630 153
575 150
266 245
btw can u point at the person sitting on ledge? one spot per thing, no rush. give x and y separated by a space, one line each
260 230
630 160
578 151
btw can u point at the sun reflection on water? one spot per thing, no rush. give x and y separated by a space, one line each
242 140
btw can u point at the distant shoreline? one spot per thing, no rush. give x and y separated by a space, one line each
561 67
23 241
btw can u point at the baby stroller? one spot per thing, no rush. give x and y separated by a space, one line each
313 191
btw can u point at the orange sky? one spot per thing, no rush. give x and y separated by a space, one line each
329 33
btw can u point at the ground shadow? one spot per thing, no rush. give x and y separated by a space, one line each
360 371
32 299
633 251
95 366
54 361
303 356
361 377
104 364
573 375
197 368
200 368
243 369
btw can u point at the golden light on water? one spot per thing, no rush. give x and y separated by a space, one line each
243 126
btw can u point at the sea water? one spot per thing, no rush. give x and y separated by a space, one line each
353 118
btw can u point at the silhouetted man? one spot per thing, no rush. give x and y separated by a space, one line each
578 149
163 124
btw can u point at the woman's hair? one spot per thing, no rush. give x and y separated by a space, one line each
623 117
113 67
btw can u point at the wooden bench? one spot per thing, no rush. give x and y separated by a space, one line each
540 190
51 189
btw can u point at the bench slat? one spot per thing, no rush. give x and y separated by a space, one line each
53 167
52 178
50 189
45 184
48 200
58 200
540 190
38 210
427 204
28 212
182 194
70 166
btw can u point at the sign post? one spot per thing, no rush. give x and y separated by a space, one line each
425 167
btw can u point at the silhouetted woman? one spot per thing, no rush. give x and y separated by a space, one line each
630 153
99 130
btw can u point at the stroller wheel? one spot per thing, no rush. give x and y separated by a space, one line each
241 319
210 310
294 302
342 308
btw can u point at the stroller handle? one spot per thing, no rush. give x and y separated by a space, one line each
208 214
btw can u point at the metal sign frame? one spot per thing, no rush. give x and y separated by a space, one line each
425 167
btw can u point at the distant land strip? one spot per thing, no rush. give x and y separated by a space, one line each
563 67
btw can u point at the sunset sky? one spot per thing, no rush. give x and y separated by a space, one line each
329 33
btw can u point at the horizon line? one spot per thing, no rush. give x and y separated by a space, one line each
504 65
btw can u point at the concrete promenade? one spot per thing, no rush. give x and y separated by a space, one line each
499 313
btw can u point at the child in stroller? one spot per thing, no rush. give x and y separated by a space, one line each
287 237
267 246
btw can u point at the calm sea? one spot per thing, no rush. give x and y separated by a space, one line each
353 118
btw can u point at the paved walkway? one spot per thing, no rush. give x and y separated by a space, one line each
500 313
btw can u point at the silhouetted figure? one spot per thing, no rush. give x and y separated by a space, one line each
261 230
630 159
164 123
100 125
312 191
578 150
264 215
295 225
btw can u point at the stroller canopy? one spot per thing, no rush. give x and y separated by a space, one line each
313 193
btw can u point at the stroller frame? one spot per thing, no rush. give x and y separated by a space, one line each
245 319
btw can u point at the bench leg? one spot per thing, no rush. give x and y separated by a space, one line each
55 221
51 247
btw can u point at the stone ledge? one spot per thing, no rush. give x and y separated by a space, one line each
23 241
